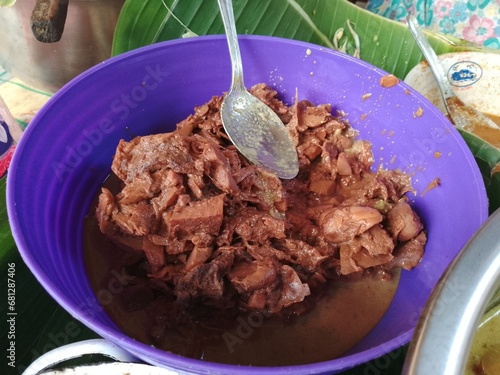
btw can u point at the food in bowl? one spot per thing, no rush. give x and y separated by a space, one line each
484 356
210 242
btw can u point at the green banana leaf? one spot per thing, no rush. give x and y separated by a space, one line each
488 160
6 240
337 24
382 42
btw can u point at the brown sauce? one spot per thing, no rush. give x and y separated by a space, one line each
488 134
494 118
340 319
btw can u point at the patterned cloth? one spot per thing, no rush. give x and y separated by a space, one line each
477 21
23 102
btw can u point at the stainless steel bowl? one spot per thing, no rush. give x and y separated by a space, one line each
86 40
445 332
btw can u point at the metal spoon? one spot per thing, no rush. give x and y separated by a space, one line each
462 115
253 127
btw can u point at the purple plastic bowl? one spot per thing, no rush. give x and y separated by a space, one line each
67 150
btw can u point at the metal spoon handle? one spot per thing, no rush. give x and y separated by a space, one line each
431 57
226 10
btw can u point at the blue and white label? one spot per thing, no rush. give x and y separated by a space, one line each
464 73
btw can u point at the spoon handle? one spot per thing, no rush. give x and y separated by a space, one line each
431 57
226 10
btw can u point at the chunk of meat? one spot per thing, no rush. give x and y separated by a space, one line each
137 219
376 241
257 300
248 277
356 258
251 224
171 189
266 251
204 280
403 222
302 254
201 216
370 249
263 189
135 159
408 255
104 211
270 97
154 253
303 228
293 290
322 187
341 224
198 255
314 116
220 170
343 165
137 190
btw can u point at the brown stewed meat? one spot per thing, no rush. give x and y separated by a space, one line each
219 231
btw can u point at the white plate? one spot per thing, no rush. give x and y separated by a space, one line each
115 368
475 77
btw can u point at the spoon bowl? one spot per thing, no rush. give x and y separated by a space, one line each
258 133
255 129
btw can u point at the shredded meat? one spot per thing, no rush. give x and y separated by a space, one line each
217 230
